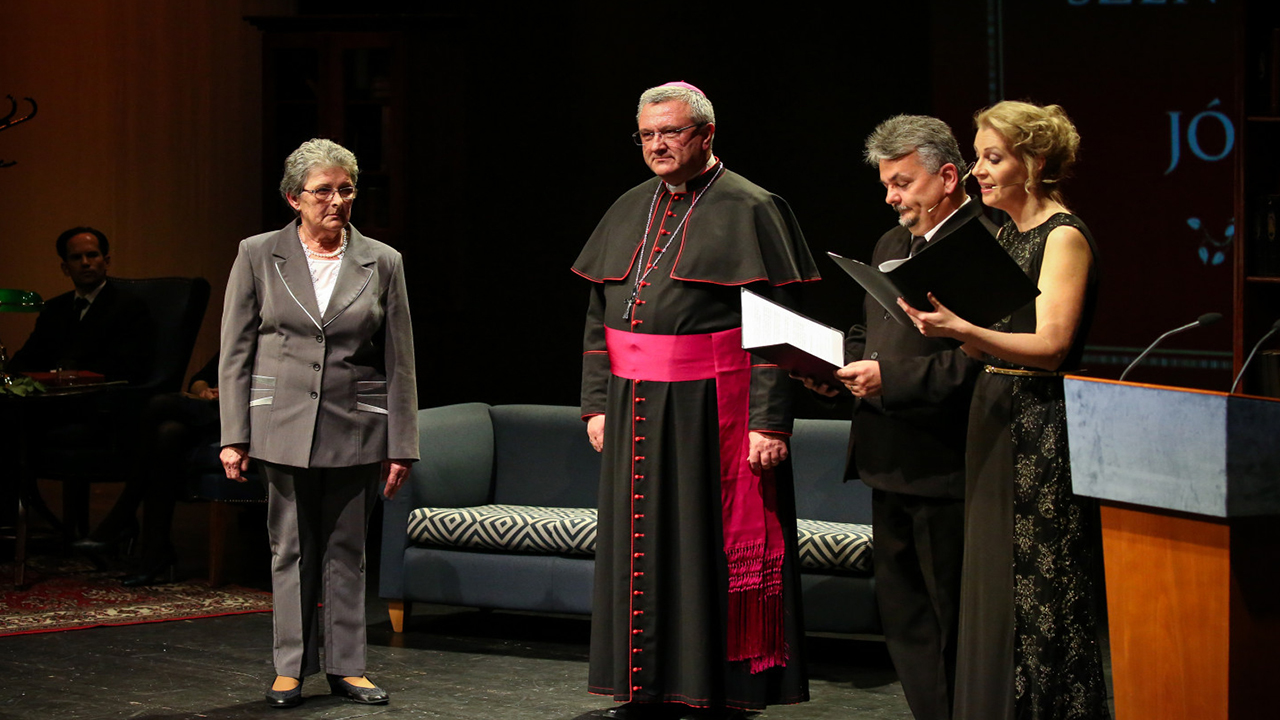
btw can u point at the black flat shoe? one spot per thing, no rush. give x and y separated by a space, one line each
637 711
368 696
164 571
285 698
712 714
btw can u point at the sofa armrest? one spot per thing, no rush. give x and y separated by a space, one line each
456 470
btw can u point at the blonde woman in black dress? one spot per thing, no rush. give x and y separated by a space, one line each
1029 598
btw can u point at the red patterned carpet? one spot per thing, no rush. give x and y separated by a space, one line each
70 595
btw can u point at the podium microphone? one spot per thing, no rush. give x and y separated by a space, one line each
1206 319
1274 327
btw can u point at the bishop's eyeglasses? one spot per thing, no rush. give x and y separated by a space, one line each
643 136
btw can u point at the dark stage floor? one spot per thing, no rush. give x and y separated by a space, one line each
451 663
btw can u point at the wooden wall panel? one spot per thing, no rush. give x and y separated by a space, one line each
149 129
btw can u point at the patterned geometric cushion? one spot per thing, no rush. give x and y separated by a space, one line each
510 528
572 531
834 546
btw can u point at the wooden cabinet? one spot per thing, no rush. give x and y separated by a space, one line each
1257 198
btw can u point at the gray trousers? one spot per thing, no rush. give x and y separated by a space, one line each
317 519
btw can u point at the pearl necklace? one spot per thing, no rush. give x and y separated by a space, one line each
324 256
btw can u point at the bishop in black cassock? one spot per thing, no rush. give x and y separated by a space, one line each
697 594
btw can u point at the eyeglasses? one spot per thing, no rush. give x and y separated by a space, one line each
325 194
643 136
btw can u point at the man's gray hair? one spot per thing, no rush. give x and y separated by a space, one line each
315 154
901 135
700 110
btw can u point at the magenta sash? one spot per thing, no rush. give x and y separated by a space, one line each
753 540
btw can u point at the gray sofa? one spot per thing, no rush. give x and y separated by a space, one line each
500 514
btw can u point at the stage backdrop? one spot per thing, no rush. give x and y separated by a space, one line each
150 128
1150 86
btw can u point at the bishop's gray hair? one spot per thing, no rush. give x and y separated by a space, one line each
700 110
315 154
901 135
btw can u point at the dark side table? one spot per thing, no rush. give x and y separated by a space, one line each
19 416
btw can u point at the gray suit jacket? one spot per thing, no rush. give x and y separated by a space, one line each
311 391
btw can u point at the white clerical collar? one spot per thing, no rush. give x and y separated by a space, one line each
929 235
711 162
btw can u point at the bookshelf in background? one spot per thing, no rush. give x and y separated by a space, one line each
1257 198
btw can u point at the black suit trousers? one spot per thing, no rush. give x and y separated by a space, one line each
919 545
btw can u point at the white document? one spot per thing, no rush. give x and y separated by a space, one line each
776 333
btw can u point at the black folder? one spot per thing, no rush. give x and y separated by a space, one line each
966 270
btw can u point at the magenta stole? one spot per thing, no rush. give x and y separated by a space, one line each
753 540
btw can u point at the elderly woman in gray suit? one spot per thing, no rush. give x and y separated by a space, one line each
317 384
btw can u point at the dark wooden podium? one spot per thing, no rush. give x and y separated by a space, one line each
1190 488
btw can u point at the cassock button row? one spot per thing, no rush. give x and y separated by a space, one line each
638 516
639 555
637 574
638 458
637 496
639 419
636 688
639 399
639 535
637 592
637 650
637 612
635 669
638 477
639 438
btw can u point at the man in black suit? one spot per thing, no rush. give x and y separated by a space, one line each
910 420
97 326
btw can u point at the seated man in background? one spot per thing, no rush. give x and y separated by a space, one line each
97 326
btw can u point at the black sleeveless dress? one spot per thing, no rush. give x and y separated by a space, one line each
1032 588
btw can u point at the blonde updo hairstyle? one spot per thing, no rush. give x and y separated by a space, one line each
1036 133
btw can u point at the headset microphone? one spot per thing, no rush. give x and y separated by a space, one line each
967 174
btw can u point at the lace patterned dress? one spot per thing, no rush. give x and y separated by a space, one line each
1032 588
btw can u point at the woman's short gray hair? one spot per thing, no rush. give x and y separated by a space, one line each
700 110
315 154
901 135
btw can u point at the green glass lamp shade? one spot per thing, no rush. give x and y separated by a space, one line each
20 301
